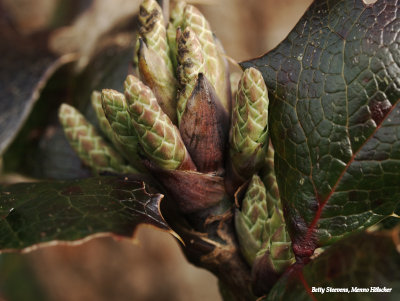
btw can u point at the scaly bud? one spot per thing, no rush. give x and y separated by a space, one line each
251 220
156 75
275 255
249 129
279 244
191 63
126 140
262 231
158 136
204 127
153 30
88 144
216 71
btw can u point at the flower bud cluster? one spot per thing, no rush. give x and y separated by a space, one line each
177 120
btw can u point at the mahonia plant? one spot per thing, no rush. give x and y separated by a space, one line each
176 120
256 182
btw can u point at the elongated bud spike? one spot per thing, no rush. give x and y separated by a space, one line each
157 76
216 71
191 63
125 137
190 56
159 138
249 128
153 30
262 233
88 144
279 249
275 256
251 220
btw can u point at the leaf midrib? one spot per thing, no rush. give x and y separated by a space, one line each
317 216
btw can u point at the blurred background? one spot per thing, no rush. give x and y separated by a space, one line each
88 36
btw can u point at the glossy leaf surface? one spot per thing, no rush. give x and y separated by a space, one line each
37 213
335 119
361 261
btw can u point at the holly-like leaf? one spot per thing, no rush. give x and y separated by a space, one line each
37 213
360 261
334 87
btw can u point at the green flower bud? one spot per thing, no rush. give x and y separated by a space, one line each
216 71
153 30
262 231
125 138
156 75
279 248
249 128
251 220
88 144
158 136
191 63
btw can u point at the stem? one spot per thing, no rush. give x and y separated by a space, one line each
215 248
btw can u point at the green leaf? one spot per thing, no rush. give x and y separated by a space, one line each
363 260
335 119
37 213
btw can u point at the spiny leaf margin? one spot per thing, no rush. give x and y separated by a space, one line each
42 213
